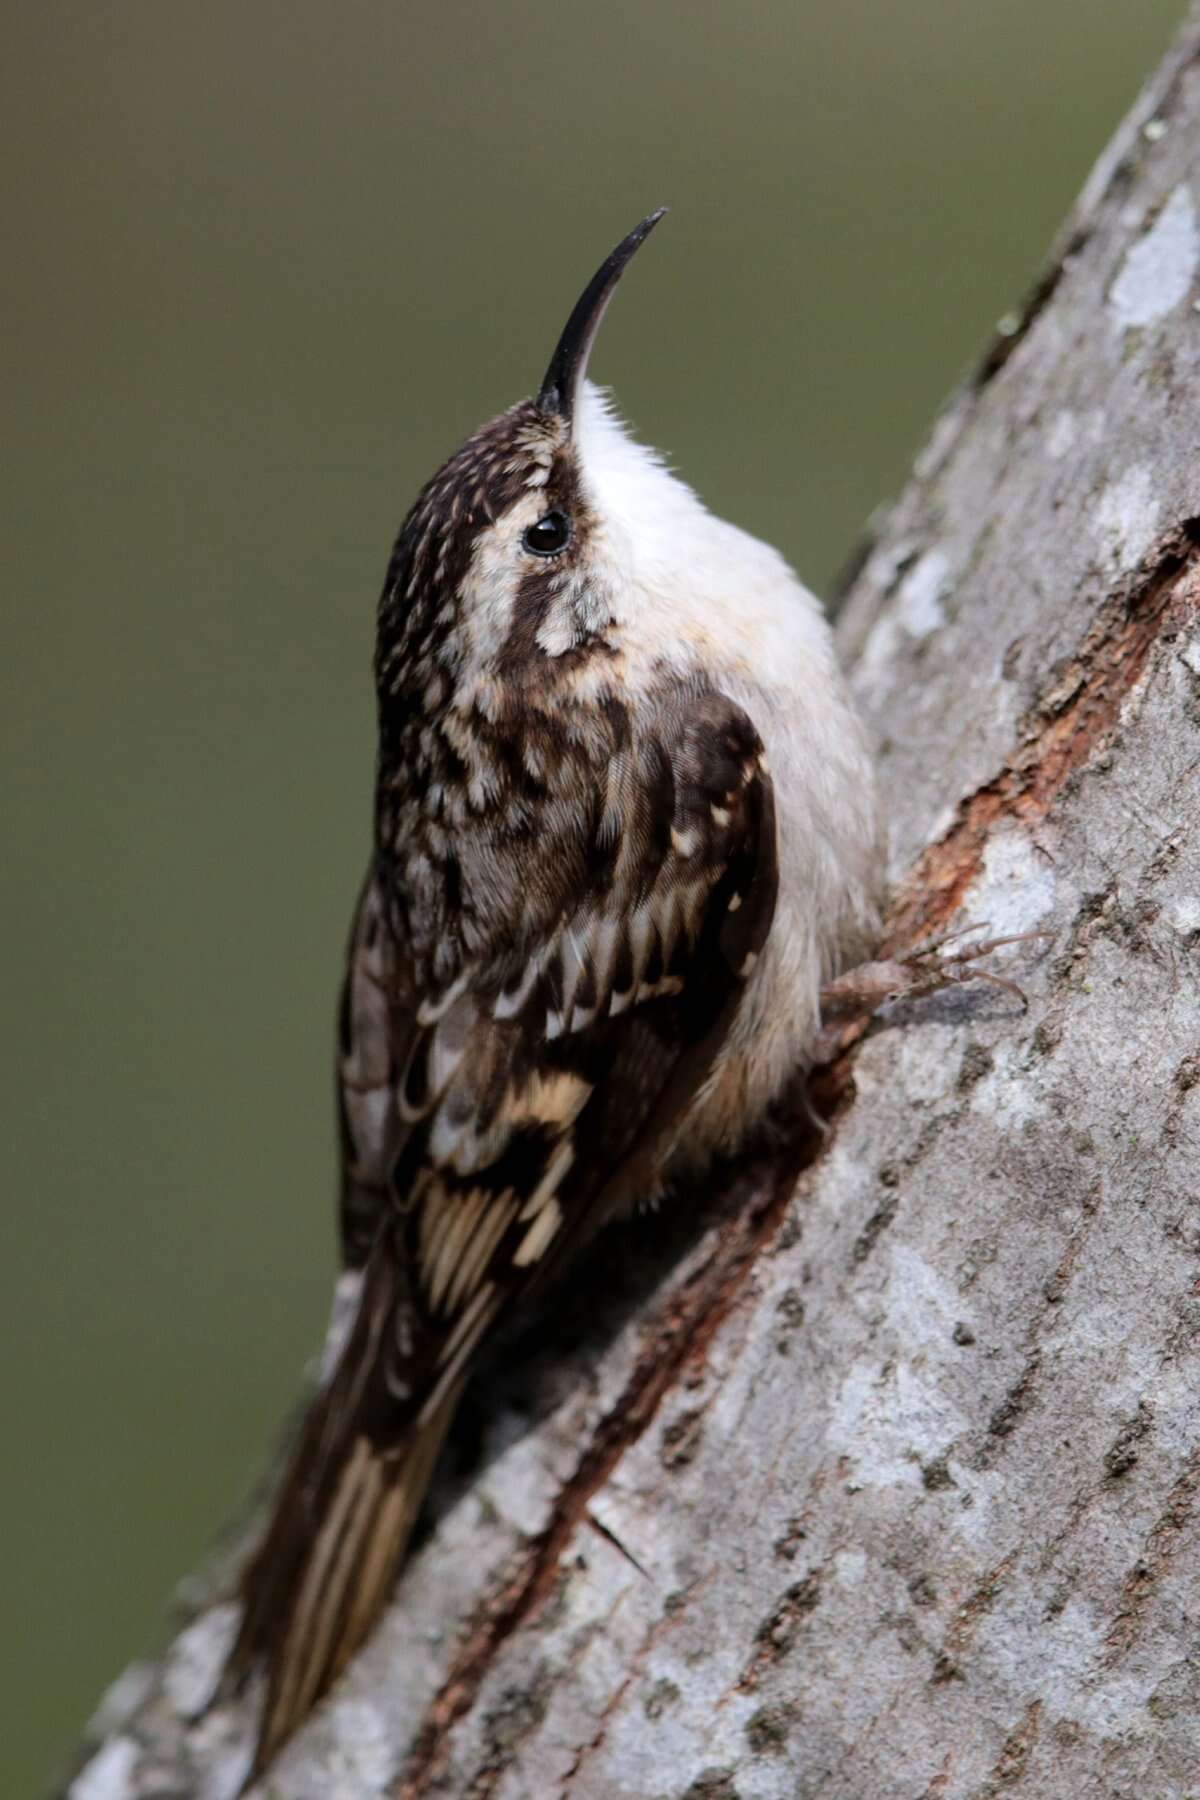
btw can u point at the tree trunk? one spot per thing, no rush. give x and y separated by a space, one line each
877 1472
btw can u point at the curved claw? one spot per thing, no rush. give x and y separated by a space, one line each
923 972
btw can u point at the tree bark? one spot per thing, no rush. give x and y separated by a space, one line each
876 1471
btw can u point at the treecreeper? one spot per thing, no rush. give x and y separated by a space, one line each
625 831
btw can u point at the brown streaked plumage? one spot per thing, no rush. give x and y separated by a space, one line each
559 973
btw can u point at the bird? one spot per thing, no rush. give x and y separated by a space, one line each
625 827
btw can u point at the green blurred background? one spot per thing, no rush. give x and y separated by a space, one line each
266 265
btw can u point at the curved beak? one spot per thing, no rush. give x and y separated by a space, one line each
568 365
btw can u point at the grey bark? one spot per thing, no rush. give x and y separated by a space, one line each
884 1480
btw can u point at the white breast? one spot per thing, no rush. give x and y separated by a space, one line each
696 595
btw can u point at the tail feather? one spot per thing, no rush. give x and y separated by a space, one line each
339 1557
342 1520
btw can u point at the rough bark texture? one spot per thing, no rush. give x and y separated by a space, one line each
885 1479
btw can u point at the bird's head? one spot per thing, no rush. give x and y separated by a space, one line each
510 568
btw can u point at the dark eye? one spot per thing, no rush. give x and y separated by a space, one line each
549 535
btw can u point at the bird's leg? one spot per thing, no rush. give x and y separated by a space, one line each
850 1001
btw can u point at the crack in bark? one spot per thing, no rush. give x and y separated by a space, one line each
776 1636
1155 1561
1015 1404
1013 1760
1072 721
938 1785
948 1662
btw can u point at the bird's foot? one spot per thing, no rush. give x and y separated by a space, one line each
850 1001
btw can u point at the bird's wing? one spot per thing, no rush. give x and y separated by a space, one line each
550 1082
489 1131
548 1065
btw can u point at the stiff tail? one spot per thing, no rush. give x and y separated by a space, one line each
321 1578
